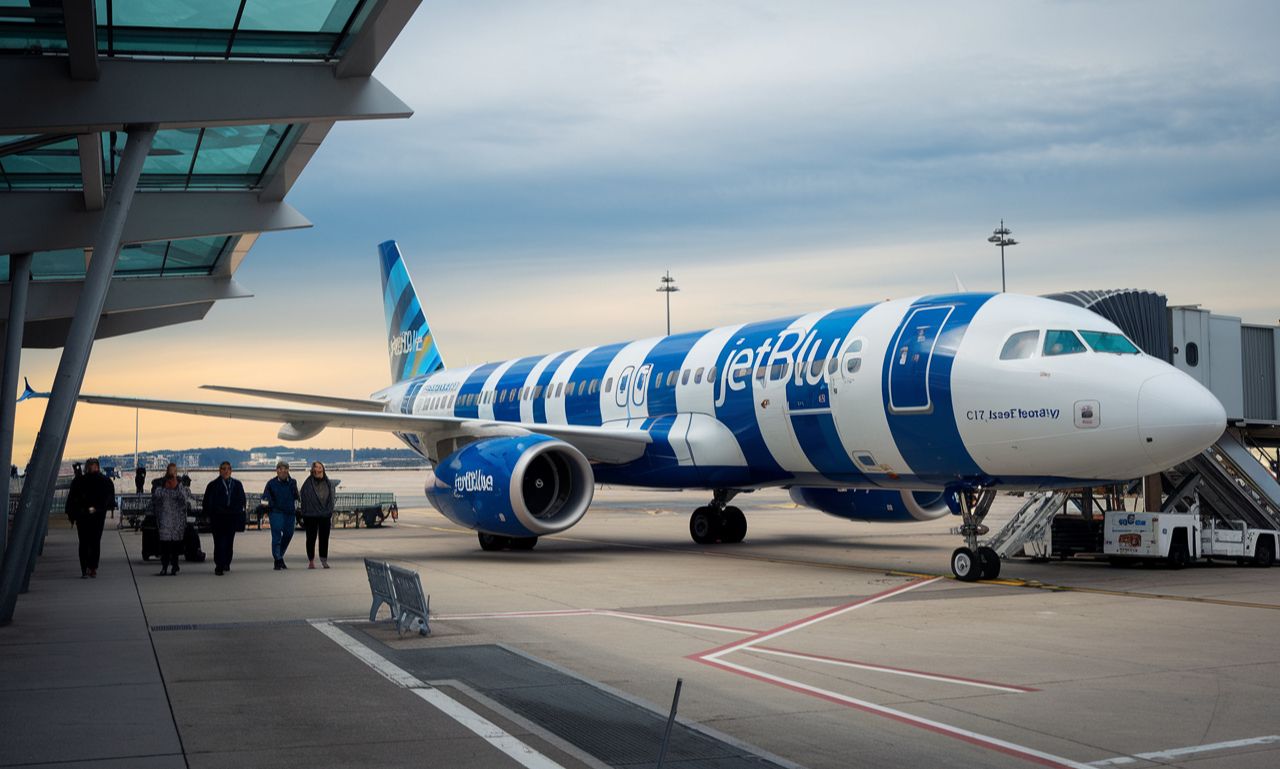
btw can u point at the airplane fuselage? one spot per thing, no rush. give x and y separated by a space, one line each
934 392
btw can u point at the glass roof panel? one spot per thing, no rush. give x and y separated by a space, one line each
63 264
168 258
31 26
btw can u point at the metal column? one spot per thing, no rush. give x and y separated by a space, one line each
19 280
37 492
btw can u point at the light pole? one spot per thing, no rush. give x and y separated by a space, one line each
1000 237
668 287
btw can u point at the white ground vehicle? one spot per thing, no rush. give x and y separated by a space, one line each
1181 538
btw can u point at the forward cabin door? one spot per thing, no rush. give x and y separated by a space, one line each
912 351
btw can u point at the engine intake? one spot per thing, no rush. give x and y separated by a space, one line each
520 486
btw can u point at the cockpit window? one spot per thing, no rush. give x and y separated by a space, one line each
1062 342
1103 341
1020 345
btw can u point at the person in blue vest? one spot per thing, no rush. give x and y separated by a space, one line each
224 505
281 496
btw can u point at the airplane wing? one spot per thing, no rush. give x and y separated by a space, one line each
351 404
599 444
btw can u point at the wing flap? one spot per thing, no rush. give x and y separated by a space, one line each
350 404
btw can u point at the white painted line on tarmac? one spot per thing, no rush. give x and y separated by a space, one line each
486 729
1161 755
891 670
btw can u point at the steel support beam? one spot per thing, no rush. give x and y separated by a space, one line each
19 280
90 148
53 300
380 29
183 94
33 510
82 38
43 221
281 178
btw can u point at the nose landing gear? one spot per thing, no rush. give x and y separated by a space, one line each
718 522
973 562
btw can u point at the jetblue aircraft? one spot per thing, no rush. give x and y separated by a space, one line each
896 411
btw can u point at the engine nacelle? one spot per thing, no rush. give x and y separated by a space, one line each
874 504
518 486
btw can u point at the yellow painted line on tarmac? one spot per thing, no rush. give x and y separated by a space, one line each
1030 584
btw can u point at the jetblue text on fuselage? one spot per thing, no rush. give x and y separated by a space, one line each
793 349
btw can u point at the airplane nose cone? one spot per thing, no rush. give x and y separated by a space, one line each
1177 418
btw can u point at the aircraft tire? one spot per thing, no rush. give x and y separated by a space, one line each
965 565
704 526
988 562
735 525
524 543
492 542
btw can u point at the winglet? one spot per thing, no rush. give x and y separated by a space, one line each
29 392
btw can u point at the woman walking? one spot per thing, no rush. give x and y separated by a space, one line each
170 501
317 513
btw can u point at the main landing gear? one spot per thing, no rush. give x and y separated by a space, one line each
973 562
718 522
498 542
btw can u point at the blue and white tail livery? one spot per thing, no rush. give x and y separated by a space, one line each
899 410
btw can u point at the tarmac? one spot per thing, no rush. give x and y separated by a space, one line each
816 642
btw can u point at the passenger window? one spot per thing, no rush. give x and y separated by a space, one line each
1062 342
711 374
777 371
537 392
608 385
854 346
761 370
853 365
560 389
1021 345
671 378
622 382
684 377
831 366
595 386
697 376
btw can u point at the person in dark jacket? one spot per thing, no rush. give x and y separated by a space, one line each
281 496
91 495
224 504
317 512
139 478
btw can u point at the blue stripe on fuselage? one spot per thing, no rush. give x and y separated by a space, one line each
930 442
816 432
513 377
473 385
540 404
735 408
666 356
584 408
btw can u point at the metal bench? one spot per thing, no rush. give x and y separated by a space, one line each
401 590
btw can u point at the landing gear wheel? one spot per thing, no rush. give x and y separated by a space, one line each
988 562
964 564
705 526
491 542
1264 554
524 543
735 525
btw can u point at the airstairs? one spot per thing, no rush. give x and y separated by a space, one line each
1234 486
1029 525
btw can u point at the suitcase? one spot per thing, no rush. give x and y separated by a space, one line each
191 545
150 538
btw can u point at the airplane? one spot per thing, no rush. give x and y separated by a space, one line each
900 410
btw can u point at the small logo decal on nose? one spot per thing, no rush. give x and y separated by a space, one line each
1087 414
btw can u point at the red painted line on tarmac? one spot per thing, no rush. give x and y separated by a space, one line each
790 626
964 735
892 669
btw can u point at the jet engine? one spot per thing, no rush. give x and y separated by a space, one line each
875 504
516 486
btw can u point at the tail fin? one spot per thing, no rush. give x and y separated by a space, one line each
412 349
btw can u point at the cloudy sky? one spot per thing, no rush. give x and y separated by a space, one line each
777 158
